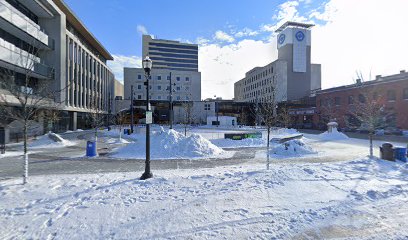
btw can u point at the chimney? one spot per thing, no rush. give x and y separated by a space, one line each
377 77
358 81
402 71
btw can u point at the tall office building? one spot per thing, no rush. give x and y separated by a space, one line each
292 76
69 57
170 59
172 55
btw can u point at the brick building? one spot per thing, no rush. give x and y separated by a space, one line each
391 91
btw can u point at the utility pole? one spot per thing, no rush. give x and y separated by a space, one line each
171 104
131 109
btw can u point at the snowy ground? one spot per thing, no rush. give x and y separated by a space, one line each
331 192
363 199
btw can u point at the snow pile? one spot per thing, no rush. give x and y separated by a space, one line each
284 131
247 142
170 144
296 147
334 135
117 141
50 140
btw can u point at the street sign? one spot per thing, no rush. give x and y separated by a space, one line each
149 117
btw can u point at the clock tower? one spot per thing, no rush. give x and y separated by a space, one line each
294 48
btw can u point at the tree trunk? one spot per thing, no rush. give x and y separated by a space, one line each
371 145
267 148
120 132
25 165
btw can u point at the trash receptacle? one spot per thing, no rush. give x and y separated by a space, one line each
125 131
387 152
400 153
91 149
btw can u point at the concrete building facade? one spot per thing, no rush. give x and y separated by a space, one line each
171 60
292 75
67 55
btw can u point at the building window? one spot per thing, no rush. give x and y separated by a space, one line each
337 101
187 98
159 97
168 77
139 97
158 77
361 98
158 87
391 96
139 76
187 79
207 107
178 88
178 98
139 86
350 100
178 78
405 93
187 88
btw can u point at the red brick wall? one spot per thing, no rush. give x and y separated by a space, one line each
399 106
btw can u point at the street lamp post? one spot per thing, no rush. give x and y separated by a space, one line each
131 109
216 109
171 103
147 66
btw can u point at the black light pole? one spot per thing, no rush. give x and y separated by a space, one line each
171 104
216 109
147 65
131 109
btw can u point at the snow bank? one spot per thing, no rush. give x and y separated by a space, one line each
170 144
50 140
334 135
295 148
247 142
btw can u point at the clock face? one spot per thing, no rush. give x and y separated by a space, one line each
281 38
300 36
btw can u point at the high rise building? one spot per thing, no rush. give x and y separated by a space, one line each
172 55
291 77
171 59
67 56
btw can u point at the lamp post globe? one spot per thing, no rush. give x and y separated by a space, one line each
147 66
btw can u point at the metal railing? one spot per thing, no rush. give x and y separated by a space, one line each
21 21
24 60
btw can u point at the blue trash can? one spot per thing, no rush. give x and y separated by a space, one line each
91 149
125 131
400 153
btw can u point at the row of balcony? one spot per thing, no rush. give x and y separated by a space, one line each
20 58
24 23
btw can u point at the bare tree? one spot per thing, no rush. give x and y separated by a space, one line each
52 115
268 114
23 98
329 110
188 115
96 116
120 118
284 116
369 108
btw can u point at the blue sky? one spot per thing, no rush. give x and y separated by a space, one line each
237 35
114 22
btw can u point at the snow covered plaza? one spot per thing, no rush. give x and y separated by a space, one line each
204 187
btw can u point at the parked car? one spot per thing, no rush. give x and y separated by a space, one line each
392 131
